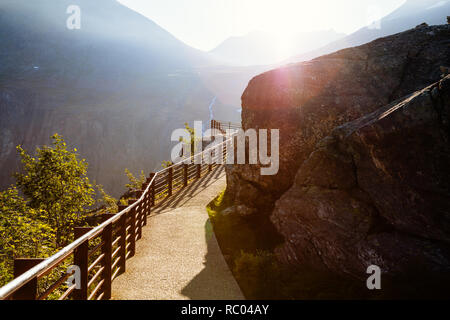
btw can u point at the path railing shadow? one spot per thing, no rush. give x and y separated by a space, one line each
191 190
207 285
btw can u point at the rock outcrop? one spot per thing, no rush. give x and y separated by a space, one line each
306 101
376 191
364 156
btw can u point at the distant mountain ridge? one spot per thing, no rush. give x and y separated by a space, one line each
261 48
409 15
126 41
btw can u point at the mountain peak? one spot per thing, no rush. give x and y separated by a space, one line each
264 48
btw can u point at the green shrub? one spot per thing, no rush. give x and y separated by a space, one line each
53 195
54 181
257 274
23 232
135 183
248 245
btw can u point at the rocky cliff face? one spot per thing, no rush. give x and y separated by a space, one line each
306 101
363 170
376 191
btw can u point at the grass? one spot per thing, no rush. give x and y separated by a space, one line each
237 233
248 246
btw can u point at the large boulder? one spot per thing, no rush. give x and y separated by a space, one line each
375 191
306 101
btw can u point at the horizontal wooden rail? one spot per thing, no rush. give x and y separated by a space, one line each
223 126
101 252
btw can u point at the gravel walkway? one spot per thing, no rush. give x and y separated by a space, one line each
178 256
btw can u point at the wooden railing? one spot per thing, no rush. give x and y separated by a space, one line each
101 253
223 126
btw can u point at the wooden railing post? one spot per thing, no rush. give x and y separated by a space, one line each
139 220
211 157
199 171
30 290
107 235
146 208
145 204
185 174
199 168
140 212
225 153
152 195
152 190
138 194
81 260
170 182
123 240
149 200
132 215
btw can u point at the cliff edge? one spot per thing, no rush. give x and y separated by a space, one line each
364 155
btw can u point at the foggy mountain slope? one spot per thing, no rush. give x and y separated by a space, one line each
112 36
114 89
409 15
260 48
257 50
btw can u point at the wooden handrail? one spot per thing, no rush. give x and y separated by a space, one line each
122 230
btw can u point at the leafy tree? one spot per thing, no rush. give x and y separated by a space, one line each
193 139
135 183
107 202
166 164
23 232
55 195
54 181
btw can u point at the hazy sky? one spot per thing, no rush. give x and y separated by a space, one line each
204 24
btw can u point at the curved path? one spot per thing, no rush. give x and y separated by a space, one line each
178 256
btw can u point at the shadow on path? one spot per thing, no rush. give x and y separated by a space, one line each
207 285
184 195
178 256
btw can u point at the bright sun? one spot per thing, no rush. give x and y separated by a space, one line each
283 19
284 46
